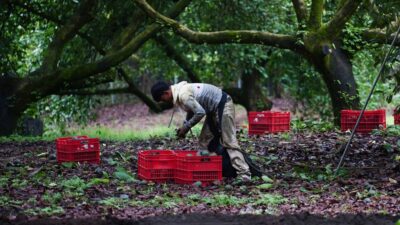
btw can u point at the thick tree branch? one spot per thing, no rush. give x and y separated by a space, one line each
95 92
301 11
110 60
178 58
66 33
340 18
121 40
98 47
228 36
113 59
379 37
89 82
315 19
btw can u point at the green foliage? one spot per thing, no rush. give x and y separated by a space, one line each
46 211
266 179
114 202
52 198
3 181
311 125
75 184
8 201
268 183
317 174
123 175
392 130
97 181
270 199
17 183
365 67
221 199
265 186
59 112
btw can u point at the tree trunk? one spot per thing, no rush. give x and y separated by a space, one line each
13 102
8 118
250 96
254 98
338 76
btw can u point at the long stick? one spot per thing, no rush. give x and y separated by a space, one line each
366 103
172 116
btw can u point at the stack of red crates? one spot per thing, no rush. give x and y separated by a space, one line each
78 149
371 119
268 122
183 167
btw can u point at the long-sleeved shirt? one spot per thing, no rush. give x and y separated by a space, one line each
197 99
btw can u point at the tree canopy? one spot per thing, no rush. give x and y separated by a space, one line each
313 49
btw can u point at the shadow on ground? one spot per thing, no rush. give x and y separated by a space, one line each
211 219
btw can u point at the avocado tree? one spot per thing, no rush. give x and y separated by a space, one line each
70 46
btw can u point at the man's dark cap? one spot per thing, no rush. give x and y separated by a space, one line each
158 89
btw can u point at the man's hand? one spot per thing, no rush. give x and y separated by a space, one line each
181 132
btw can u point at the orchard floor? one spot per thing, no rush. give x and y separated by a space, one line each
35 189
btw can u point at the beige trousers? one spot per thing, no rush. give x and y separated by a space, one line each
228 138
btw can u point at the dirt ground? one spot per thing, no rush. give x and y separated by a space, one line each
138 116
210 219
299 163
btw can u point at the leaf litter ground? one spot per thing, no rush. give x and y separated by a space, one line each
34 187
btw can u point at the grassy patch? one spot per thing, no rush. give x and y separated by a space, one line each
106 133
46 211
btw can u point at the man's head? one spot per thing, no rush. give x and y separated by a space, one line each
161 91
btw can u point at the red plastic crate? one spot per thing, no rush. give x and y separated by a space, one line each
156 165
396 119
78 149
371 119
192 168
268 122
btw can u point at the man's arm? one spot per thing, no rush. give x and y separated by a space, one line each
197 112
189 116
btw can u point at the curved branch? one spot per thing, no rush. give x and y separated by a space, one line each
228 36
108 61
340 18
301 11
